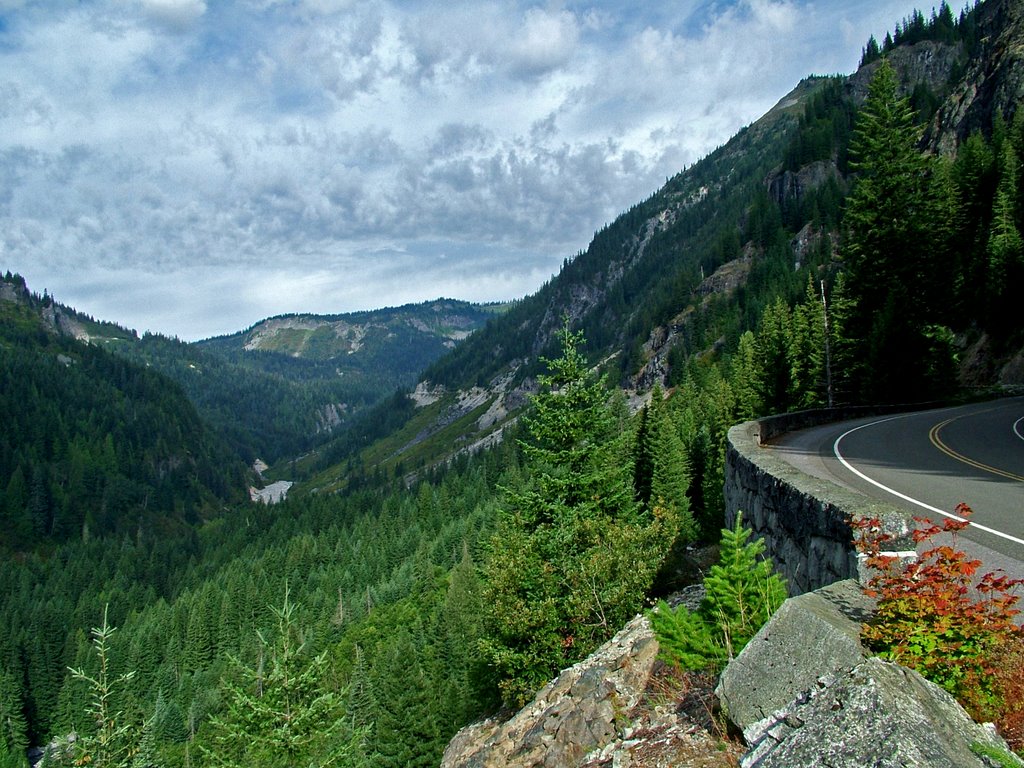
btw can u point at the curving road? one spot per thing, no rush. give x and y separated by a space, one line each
929 461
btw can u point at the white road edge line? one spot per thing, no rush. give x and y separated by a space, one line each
887 489
1016 427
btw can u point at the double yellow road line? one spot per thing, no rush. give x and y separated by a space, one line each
933 435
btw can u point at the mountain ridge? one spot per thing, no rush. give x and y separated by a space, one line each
281 386
93 444
684 272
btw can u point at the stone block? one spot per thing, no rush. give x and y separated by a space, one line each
811 636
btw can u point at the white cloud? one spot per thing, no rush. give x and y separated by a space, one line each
336 149
544 41
174 15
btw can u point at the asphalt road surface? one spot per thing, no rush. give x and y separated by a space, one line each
928 462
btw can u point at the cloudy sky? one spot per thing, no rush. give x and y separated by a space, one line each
192 166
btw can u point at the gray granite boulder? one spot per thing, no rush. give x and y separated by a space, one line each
581 710
879 714
812 636
806 695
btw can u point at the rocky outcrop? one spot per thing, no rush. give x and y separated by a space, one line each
330 415
664 739
993 82
805 695
787 186
12 292
271 494
803 692
580 711
878 714
724 280
981 364
810 636
612 710
810 239
929 62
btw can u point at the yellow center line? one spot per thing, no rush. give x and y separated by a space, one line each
933 435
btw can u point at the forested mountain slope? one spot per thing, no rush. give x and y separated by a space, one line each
91 445
687 272
291 380
396 605
281 387
767 205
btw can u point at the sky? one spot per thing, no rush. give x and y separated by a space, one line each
190 167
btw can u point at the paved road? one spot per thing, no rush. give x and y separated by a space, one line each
927 463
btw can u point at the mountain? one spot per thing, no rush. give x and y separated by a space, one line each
404 336
281 387
90 444
336 365
726 288
662 259
681 276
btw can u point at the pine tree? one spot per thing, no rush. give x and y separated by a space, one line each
146 753
893 250
1005 244
282 711
13 730
461 629
703 413
808 351
871 52
745 378
975 175
774 339
841 347
362 704
742 592
573 553
643 452
661 472
572 442
112 742
17 529
406 733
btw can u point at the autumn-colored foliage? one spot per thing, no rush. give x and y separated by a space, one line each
935 614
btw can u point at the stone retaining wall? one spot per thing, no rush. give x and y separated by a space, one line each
803 520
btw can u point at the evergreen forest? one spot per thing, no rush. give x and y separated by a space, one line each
150 609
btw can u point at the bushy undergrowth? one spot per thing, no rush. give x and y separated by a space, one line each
936 615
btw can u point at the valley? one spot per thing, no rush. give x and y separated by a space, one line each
460 500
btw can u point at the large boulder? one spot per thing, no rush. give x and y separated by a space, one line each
805 695
878 714
811 636
581 710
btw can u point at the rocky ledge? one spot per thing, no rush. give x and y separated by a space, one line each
611 709
804 693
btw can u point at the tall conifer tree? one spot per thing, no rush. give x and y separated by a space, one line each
574 553
1005 244
281 712
895 248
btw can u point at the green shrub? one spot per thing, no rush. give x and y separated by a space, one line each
742 593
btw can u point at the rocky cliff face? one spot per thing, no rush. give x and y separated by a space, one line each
928 62
993 82
608 710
